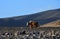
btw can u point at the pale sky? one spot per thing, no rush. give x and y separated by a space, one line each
10 8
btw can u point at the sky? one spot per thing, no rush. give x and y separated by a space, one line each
10 8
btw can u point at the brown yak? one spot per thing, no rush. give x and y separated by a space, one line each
32 24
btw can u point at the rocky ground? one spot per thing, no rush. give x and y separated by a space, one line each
36 33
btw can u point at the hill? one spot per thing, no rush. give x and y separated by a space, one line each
55 23
41 17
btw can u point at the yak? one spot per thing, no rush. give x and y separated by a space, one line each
32 24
